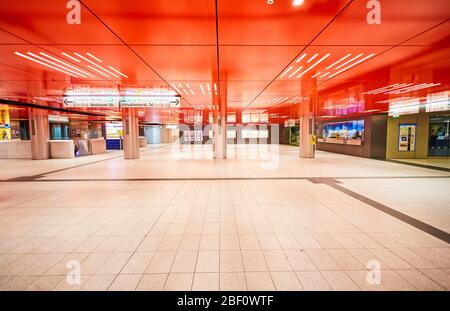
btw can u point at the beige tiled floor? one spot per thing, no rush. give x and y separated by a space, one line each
218 234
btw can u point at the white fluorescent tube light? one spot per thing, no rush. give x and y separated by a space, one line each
112 68
66 64
301 57
352 65
71 57
349 61
335 63
55 64
88 60
42 63
393 88
289 69
314 65
314 56
103 74
380 89
176 88
293 74
99 60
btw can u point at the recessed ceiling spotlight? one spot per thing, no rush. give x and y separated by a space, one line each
297 2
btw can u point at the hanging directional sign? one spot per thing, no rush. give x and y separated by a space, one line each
91 101
151 101
88 96
122 101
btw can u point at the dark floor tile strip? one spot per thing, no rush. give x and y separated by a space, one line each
432 167
437 233
314 179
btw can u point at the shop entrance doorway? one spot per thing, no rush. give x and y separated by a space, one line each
438 139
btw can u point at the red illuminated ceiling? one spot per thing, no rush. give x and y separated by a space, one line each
253 54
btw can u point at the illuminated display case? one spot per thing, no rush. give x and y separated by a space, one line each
344 132
114 134
114 130
5 126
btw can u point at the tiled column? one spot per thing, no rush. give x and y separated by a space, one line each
306 113
130 133
220 135
39 129
220 120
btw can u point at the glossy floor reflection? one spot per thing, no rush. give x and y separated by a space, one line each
166 222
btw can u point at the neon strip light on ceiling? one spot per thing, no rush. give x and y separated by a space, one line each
295 72
71 57
88 60
335 63
203 90
55 64
42 63
314 56
314 65
289 69
349 61
352 65
97 59
66 64
96 70
112 68
301 57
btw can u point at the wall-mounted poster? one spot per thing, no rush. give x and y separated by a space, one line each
407 137
5 125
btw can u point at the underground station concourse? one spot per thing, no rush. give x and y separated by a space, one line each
222 145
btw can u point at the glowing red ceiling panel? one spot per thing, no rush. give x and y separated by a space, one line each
173 43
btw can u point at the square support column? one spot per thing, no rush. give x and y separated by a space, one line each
40 134
219 98
130 133
220 136
306 114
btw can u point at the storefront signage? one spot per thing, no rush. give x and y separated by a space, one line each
407 137
437 102
403 107
289 123
58 119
